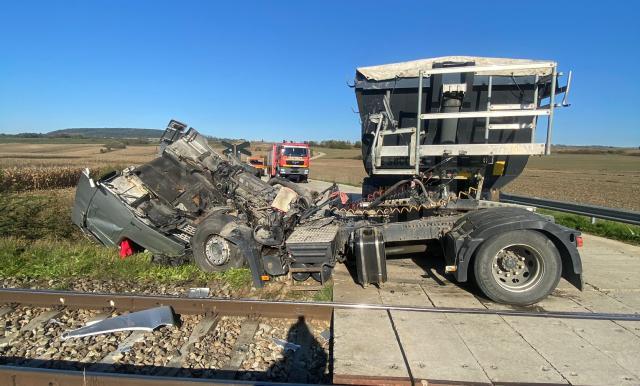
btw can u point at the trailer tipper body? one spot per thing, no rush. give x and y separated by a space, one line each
440 136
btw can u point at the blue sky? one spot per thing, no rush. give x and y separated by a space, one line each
269 69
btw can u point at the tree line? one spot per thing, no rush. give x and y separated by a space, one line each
336 144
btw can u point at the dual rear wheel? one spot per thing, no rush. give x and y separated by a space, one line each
519 267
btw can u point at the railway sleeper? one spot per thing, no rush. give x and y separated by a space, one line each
209 346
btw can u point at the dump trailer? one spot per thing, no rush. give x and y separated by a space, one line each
440 137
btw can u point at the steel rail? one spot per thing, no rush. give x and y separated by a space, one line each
29 376
265 308
620 215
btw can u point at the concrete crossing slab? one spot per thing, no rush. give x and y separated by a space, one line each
479 349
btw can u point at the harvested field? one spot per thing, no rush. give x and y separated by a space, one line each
345 171
599 179
607 179
27 166
71 155
611 180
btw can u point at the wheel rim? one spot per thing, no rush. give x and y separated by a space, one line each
217 250
517 267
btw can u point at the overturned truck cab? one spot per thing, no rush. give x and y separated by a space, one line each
191 202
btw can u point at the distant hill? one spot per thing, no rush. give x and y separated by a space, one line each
106 133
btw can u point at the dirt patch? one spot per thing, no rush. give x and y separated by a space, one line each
609 190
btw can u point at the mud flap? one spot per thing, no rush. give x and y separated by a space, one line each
242 237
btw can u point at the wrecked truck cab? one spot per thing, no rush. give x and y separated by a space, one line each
192 202
105 218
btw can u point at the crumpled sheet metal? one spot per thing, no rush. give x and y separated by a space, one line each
146 320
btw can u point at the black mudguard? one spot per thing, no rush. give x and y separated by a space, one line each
474 228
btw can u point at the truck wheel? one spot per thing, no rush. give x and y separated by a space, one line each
300 276
518 267
326 272
212 252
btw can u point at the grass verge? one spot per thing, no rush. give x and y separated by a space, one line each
325 294
67 260
609 229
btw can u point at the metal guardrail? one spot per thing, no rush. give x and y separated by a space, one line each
593 211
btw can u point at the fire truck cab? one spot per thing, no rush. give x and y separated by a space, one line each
289 160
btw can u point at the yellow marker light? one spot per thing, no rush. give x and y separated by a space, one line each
498 168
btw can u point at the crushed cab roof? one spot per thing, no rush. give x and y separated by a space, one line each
412 68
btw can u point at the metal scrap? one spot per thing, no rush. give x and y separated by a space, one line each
287 346
198 293
146 320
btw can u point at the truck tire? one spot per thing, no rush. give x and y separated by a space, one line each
211 251
518 267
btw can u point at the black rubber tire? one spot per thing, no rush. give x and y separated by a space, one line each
207 228
326 270
483 265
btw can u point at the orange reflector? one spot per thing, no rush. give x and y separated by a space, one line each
265 277
579 241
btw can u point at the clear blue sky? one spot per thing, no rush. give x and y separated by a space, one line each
266 69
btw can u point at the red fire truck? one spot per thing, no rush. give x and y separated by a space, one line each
289 160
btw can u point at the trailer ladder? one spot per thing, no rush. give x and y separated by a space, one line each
415 150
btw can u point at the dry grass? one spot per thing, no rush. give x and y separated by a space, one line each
598 179
344 171
71 155
27 166
605 179
611 180
33 178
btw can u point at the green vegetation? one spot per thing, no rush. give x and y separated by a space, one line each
39 242
88 136
49 140
67 260
32 216
336 144
609 229
107 133
325 294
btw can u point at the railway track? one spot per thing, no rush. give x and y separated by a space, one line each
219 341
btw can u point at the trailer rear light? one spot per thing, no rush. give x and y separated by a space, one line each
579 241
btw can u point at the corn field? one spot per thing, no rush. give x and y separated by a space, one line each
19 179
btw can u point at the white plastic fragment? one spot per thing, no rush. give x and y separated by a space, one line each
287 346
